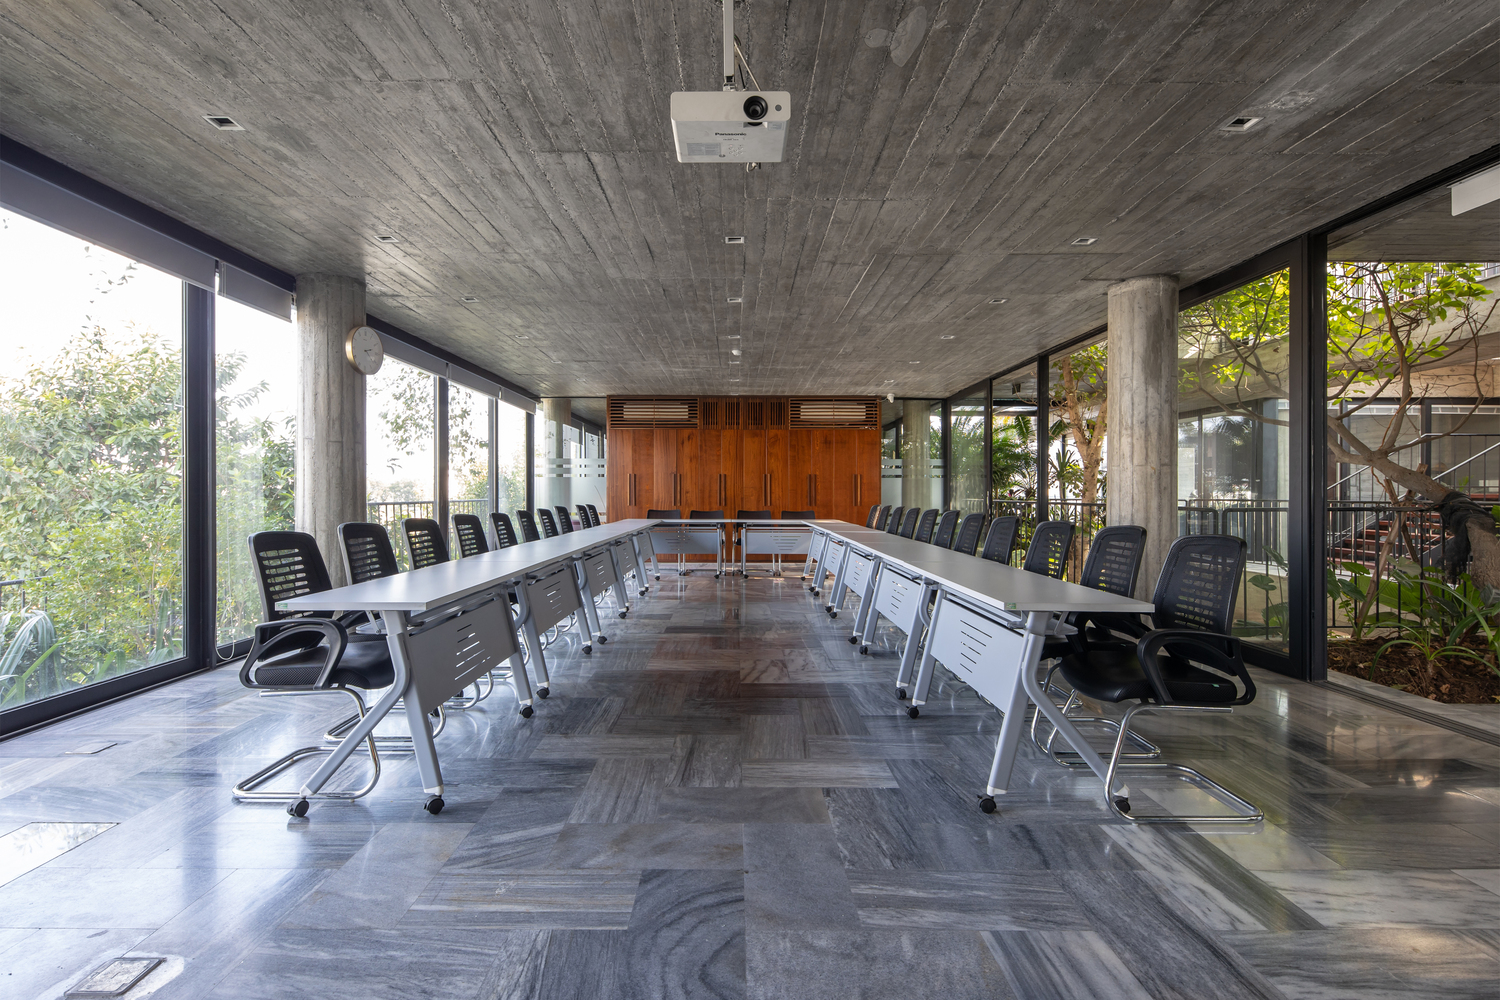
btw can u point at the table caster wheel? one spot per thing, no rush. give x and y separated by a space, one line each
297 809
913 711
1123 804
434 805
543 691
603 639
658 576
526 712
624 613
986 804
901 694
864 650
643 592
717 575
833 614
588 648
853 639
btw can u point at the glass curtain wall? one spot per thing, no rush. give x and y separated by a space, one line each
510 458
570 451
400 446
91 463
967 434
911 453
254 452
468 452
1232 439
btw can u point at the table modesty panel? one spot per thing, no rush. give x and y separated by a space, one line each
454 652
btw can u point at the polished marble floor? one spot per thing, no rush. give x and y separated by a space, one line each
725 801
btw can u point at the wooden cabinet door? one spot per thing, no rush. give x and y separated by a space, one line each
801 473
754 491
617 468
778 477
842 464
663 469
719 470
688 496
630 473
866 449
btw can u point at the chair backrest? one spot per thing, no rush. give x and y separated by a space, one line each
893 526
881 516
583 516
874 512
705 515
798 515
468 529
1001 540
925 525
1051 544
287 564
424 542
753 515
909 522
528 526
1199 582
593 515
653 514
564 519
505 532
367 551
966 538
1114 560
942 535
548 522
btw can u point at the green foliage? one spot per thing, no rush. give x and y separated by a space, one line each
1446 617
1013 458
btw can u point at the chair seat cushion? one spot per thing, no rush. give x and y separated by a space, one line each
365 665
1114 674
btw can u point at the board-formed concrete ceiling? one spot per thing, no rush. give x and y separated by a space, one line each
942 155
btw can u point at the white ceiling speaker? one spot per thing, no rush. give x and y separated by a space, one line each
730 125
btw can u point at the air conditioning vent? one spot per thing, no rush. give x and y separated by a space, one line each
858 412
672 411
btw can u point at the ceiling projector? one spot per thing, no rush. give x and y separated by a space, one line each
730 126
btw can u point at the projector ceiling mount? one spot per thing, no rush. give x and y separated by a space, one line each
731 125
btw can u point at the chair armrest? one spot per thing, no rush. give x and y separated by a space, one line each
1217 650
1127 627
274 638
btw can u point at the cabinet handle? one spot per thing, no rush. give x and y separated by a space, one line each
812 488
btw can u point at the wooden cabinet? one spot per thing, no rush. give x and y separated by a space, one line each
719 471
630 471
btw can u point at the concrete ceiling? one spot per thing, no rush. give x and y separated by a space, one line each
1422 228
941 155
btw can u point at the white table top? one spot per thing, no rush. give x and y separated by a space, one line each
435 586
773 522
981 579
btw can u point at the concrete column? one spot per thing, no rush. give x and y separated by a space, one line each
1142 417
330 412
916 456
557 414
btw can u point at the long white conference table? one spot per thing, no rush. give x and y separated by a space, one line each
449 624
775 537
988 623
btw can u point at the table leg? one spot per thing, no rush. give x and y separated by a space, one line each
533 641
867 598
640 565
424 750
1015 713
619 585
836 595
395 640
867 634
586 595
913 643
1054 713
929 662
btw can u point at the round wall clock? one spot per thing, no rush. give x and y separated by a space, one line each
364 350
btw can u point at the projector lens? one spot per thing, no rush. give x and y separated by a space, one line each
755 108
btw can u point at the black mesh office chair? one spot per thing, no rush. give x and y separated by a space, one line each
1051 544
1113 565
874 513
311 653
564 519
909 522
799 515
966 538
424 542
926 524
528 526
705 515
468 530
548 522
881 517
1001 540
942 535
367 552
583 516
1188 662
594 515
893 524
505 532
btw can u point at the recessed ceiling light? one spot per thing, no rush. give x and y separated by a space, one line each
1243 123
734 362
387 238
1084 241
469 298
734 380
946 336
735 300
734 240
914 362
732 336
996 302
224 123
889 381
736 351
557 361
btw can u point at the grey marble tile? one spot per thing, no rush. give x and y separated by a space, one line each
1384 898
915 746
1414 845
719 724
35 844
374 887
1489 878
516 832
1266 847
611 746
638 846
532 773
873 963
622 789
597 900
1062 965
706 762
1033 900
102 897
774 738
817 774
1376 963
50 960
795 878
